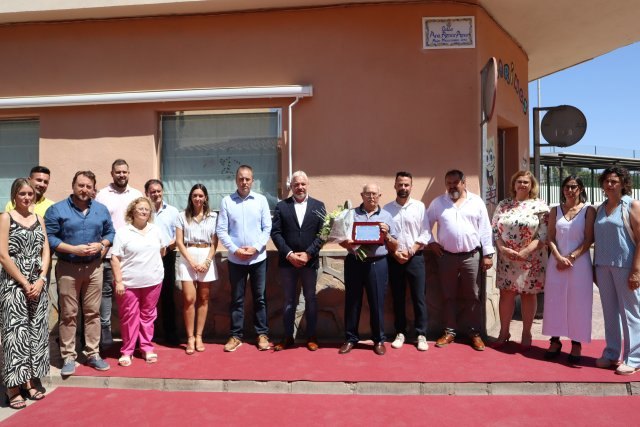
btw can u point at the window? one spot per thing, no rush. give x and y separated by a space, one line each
19 141
208 147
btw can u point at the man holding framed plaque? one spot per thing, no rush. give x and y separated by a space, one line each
463 245
365 268
406 265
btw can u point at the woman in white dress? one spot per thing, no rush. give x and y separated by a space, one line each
196 240
568 297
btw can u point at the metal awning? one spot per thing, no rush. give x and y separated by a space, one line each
588 161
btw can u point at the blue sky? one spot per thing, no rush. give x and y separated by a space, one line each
607 90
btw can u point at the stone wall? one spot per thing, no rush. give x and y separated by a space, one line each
330 291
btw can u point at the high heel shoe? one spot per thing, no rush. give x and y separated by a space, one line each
555 343
525 343
498 343
199 344
574 359
190 345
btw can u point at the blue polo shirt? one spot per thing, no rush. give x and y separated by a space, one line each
360 215
66 223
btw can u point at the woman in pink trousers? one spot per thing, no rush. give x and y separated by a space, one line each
136 260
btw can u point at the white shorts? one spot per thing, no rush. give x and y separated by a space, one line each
185 272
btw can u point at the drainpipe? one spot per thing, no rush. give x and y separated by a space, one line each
291 140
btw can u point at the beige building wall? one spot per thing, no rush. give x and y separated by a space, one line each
381 103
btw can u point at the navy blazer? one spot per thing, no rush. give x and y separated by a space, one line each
289 236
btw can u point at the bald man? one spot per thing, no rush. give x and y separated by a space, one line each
369 273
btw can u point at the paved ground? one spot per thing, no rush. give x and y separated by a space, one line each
516 324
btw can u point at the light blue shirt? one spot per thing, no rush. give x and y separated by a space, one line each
244 222
165 219
613 245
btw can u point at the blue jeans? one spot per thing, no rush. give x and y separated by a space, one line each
289 277
107 294
360 276
257 273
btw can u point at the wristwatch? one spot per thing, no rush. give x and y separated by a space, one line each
43 278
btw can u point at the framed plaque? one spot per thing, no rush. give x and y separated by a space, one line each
367 233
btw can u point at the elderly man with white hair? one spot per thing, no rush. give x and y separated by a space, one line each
296 224
368 272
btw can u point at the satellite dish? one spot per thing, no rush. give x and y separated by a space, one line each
489 75
563 126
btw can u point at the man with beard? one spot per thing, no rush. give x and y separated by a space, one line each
406 265
39 178
79 230
296 224
116 197
244 226
165 218
368 272
464 235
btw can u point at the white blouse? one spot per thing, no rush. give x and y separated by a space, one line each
139 254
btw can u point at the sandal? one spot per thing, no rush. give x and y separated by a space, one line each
498 343
151 357
36 395
199 344
14 402
125 361
190 345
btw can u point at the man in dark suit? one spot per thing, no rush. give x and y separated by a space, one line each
296 224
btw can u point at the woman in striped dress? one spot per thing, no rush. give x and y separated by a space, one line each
617 261
24 255
196 240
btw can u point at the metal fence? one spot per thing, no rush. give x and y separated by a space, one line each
550 192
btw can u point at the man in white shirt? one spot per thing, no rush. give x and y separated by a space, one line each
463 237
116 197
165 218
406 264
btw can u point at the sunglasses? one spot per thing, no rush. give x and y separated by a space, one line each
572 187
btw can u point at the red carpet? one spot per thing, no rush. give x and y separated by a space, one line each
455 363
68 406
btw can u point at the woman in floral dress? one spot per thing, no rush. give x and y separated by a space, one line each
520 231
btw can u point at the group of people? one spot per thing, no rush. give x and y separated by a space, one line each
549 249
117 239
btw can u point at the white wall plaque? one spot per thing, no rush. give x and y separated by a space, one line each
448 32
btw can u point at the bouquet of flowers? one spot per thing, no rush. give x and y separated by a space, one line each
337 226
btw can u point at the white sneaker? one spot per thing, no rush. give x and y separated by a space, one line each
423 345
626 370
397 343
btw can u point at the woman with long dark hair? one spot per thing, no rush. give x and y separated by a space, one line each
24 255
568 295
196 240
617 261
